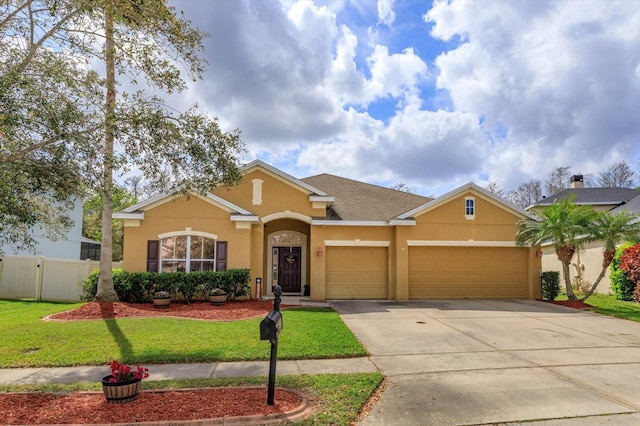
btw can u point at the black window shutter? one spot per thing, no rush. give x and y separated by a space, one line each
221 255
153 250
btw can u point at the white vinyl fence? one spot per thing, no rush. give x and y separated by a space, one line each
44 278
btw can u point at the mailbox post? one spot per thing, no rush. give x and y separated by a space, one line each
270 328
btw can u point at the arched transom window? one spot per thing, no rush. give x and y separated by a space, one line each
187 253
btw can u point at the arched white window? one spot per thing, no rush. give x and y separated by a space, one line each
187 253
470 207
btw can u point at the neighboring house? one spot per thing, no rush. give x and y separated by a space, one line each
599 198
343 238
66 247
589 260
90 249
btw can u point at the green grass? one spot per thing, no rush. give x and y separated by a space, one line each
337 397
609 305
28 341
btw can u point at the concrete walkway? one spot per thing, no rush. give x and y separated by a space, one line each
190 371
461 362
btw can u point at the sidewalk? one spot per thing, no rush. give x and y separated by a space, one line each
190 371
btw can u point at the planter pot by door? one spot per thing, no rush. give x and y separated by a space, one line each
218 299
120 392
161 302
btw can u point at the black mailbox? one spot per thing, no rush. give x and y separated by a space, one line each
271 326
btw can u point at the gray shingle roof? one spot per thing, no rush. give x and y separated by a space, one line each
359 201
632 206
593 196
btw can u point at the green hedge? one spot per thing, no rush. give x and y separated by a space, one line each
550 281
138 287
621 286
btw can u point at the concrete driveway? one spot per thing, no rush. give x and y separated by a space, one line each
459 362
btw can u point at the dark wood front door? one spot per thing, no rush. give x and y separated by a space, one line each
289 269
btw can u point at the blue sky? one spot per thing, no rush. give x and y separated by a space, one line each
431 94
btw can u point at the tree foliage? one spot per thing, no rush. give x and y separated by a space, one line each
60 135
495 189
558 180
92 218
617 175
403 187
565 225
526 194
611 229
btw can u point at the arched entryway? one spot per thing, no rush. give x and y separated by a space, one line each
287 250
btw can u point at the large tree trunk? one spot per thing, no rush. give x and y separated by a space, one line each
105 291
565 254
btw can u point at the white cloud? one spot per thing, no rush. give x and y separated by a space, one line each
559 76
530 85
386 15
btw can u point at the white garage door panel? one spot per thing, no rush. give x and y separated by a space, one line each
467 272
356 273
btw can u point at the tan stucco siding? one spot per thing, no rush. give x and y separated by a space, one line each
588 259
468 272
277 196
177 215
448 222
357 273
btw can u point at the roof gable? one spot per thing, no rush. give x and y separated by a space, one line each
469 187
318 194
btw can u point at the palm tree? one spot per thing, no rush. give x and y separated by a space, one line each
612 229
563 224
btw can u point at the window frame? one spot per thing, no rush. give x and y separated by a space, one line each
469 208
188 259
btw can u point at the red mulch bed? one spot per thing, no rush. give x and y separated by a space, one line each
230 311
175 405
150 406
576 304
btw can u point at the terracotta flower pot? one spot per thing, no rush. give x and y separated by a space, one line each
120 392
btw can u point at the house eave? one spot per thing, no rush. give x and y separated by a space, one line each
349 222
128 216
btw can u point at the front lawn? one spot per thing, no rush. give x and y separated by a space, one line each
609 305
28 341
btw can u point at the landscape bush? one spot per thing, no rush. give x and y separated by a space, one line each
138 287
630 266
550 281
622 287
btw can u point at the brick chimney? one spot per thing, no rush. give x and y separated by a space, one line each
577 181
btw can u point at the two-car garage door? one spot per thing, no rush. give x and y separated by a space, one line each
434 272
467 272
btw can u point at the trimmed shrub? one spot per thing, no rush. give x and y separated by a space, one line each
622 287
630 266
120 285
137 287
550 281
